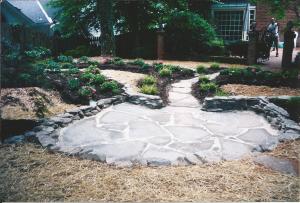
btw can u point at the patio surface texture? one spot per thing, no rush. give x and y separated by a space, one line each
178 134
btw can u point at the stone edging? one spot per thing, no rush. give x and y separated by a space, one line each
276 116
47 132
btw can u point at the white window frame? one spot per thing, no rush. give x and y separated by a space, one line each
246 8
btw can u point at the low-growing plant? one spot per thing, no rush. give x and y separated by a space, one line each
93 69
87 77
94 63
174 68
98 79
74 84
86 91
118 61
203 79
165 72
149 80
158 66
67 65
149 89
65 59
201 69
110 86
208 87
37 53
83 59
215 66
145 67
73 71
221 93
138 62
48 64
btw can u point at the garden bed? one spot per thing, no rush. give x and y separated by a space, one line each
162 75
245 81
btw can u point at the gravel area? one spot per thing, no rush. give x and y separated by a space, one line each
124 77
20 103
29 173
251 90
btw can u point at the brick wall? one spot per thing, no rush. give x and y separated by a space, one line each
263 18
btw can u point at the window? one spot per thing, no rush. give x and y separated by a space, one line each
229 24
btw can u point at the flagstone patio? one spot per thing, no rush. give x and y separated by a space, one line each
178 134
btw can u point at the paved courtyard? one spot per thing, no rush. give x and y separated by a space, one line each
178 134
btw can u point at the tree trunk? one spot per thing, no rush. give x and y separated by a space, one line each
107 39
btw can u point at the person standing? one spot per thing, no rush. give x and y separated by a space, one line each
289 37
273 29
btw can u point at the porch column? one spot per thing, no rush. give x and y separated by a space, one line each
160 45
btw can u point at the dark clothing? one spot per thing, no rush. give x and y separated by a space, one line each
287 56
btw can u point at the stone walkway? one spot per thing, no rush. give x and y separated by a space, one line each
178 134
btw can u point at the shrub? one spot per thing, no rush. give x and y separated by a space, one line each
93 69
291 74
201 69
173 68
215 66
116 61
87 77
165 72
208 87
149 89
158 66
73 71
145 67
138 62
48 64
83 59
188 33
65 59
203 79
94 63
110 86
67 66
85 91
149 80
37 53
74 84
98 79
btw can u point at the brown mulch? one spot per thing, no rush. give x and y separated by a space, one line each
19 103
29 173
252 90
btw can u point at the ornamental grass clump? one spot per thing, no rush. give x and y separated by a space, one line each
201 69
149 80
165 72
149 89
215 66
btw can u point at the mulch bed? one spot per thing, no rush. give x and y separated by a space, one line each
163 83
60 83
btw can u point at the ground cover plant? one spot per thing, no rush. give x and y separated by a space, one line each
257 76
206 88
163 74
38 68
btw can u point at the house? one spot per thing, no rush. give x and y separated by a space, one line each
234 17
32 13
